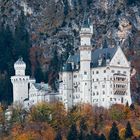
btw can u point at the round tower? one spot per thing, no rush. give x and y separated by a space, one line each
20 81
85 61
67 78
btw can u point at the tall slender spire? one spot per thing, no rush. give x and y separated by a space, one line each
86 20
105 44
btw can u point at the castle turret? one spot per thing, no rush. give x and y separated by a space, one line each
85 61
20 81
67 79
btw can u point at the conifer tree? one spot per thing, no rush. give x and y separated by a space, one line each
72 135
58 136
114 132
102 137
22 41
128 131
83 129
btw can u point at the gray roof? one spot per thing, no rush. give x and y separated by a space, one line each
104 53
20 61
41 86
67 67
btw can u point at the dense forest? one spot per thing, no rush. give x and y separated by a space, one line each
12 45
17 43
45 36
46 121
46 32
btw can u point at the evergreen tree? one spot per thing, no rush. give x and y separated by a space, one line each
81 135
22 41
114 132
83 125
6 63
128 131
72 135
58 136
53 70
88 137
38 73
83 129
102 137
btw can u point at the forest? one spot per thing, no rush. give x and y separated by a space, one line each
50 121
15 43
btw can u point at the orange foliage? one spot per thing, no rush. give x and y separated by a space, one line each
34 131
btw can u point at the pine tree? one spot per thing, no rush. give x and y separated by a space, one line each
83 129
102 137
6 63
128 130
114 132
58 136
38 73
22 41
72 135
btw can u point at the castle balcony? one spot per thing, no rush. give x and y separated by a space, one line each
119 92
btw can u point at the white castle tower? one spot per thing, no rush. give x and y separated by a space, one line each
85 62
67 78
20 81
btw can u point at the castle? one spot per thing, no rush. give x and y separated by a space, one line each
26 90
99 77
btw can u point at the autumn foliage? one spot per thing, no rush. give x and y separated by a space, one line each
50 121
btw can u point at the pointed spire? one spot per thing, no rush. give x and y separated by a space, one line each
105 44
86 20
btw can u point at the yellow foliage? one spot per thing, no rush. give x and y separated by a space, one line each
122 133
107 130
136 132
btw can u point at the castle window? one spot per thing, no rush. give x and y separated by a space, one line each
110 99
124 72
93 72
85 73
104 71
75 76
105 79
112 71
103 92
118 71
85 83
97 79
93 93
95 87
97 72
103 86
93 80
97 93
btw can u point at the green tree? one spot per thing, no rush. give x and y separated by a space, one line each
102 137
72 134
22 41
83 129
38 73
128 131
114 132
58 136
53 70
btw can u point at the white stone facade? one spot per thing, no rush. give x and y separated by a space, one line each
100 77
26 90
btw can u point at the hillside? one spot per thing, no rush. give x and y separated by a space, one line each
53 28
